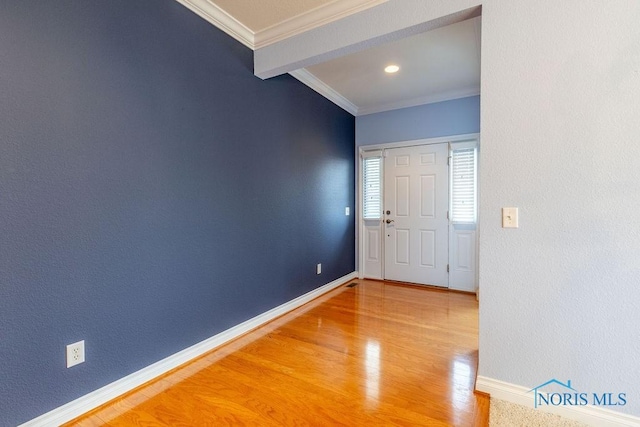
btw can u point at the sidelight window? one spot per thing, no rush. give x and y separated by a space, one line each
464 188
372 173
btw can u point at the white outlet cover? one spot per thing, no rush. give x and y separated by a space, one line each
318 268
347 211
509 217
75 354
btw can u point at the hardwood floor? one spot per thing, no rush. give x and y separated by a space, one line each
374 354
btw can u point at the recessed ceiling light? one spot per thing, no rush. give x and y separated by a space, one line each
391 69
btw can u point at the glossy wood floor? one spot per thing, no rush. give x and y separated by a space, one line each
377 354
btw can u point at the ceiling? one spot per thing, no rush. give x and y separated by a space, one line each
262 14
437 65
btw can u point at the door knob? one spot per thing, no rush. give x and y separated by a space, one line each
389 221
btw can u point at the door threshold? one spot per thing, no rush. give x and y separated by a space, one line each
430 287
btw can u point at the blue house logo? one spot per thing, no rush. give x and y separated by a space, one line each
545 398
569 396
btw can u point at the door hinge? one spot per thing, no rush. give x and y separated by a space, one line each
449 161
447 214
447 268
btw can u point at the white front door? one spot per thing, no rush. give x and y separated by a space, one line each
416 200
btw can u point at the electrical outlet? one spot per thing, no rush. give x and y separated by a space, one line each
318 268
75 354
347 211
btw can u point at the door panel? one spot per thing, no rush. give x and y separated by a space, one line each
401 199
402 247
463 257
373 240
417 199
428 248
373 258
428 196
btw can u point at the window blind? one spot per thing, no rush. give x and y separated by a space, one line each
372 203
463 187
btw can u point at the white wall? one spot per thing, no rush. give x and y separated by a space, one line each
560 123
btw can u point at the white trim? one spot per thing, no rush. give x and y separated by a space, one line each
322 15
421 100
103 395
590 415
371 153
426 141
309 79
461 145
222 20
325 90
360 223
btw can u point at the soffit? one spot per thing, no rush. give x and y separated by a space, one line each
437 65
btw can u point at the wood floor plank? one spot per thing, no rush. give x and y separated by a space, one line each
374 354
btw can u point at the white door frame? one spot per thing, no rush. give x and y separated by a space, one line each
377 147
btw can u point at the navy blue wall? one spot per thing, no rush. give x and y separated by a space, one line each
153 192
446 118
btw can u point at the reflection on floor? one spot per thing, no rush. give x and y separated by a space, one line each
374 354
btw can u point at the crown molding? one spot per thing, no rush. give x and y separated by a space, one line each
332 95
325 90
222 20
421 100
314 18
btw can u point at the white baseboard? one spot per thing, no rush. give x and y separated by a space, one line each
590 415
109 392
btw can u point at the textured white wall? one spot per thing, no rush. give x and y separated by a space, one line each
560 121
560 126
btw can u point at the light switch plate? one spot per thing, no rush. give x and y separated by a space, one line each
347 211
509 217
